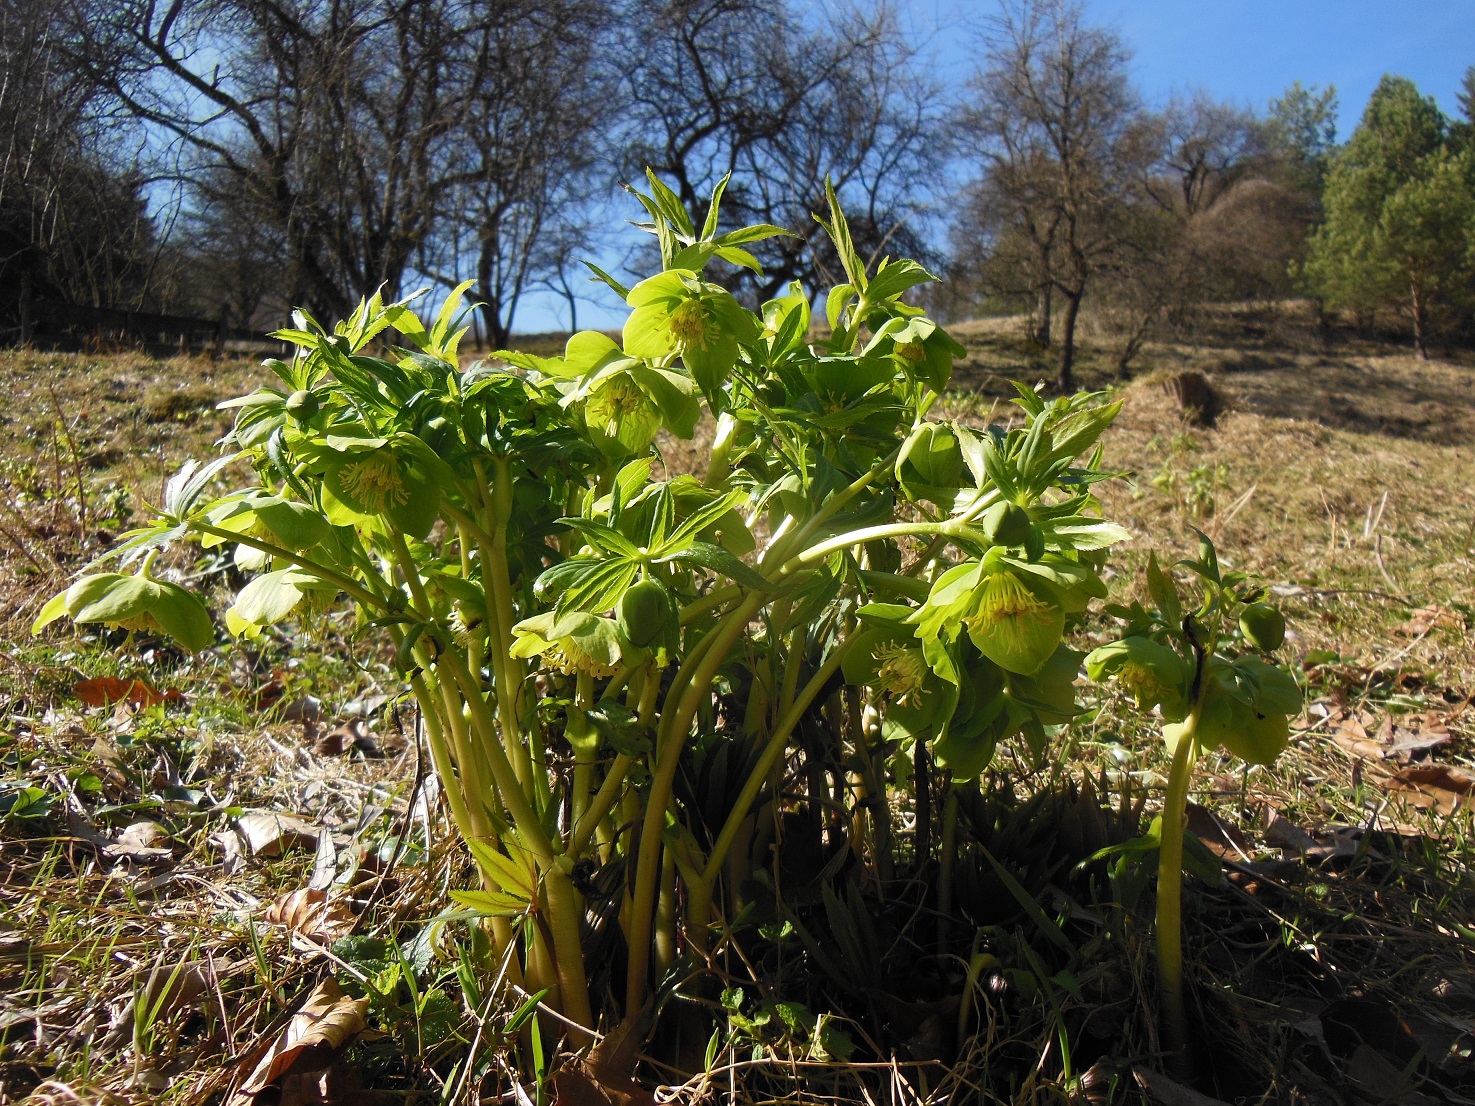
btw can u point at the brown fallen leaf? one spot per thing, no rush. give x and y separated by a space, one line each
144 835
312 913
1424 619
294 1068
1349 733
271 833
1433 786
340 739
603 1079
1218 836
1414 737
107 690
1162 1091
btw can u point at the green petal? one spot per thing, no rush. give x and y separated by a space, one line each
268 599
647 332
110 597
670 285
183 617
1017 641
294 525
55 607
709 362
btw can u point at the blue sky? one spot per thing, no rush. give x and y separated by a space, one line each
1243 51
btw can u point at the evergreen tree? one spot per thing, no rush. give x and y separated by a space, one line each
1399 213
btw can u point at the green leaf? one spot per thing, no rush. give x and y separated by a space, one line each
716 559
1164 593
895 277
839 232
609 281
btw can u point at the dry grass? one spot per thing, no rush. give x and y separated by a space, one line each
1341 474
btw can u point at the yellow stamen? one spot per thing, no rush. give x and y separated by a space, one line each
690 326
902 672
1008 609
375 481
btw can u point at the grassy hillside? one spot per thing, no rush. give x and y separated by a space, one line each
1333 963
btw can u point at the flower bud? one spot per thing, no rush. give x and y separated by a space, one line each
1006 524
1264 627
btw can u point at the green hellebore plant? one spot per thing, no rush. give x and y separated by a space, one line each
1241 703
546 586
676 312
138 603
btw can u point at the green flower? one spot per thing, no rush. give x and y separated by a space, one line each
677 312
901 672
135 603
1149 671
621 418
368 484
576 643
1014 623
272 596
925 350
1246 709
930 463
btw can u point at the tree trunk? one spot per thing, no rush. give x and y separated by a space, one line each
1421 321
1042 321
1066 379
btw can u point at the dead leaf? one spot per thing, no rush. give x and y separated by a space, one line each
294 1067
1414 737
270 833
1425 619
107 690
232 850
604 1079
324 864
353 734
144 835
312 913
1433 786
1218 836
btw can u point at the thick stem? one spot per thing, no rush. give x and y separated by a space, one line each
922 798
1170 891
875 786
670 737
565 912
777 742
945 859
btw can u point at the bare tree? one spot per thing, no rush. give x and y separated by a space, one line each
346 121
1054 127
73 221
780 100
528 157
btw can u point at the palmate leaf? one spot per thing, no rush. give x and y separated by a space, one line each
694 523
514 881
597 587
714 558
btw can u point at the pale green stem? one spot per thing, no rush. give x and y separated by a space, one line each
945 863
322 571
579 729
1170 887
700 908
670 737
609 791
497 585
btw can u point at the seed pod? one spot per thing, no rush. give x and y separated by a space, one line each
1006 524
645 612
1264 627
302 405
